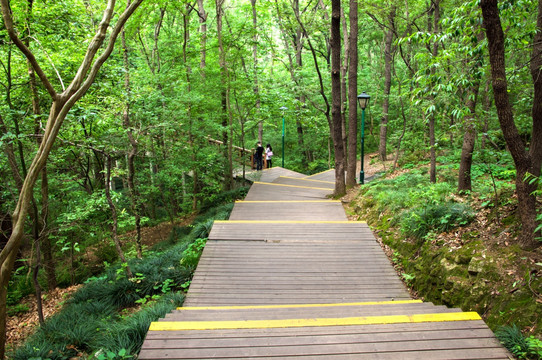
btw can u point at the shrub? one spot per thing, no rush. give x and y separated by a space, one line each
224 197
192 254
519 345
419 221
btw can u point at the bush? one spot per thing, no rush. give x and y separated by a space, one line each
519 345
419 221
224 197
192 254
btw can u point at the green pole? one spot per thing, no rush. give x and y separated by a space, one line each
361 172
282 139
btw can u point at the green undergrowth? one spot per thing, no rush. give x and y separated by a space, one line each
109 316
447 257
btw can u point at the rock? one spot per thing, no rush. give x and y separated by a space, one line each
449 266
476 265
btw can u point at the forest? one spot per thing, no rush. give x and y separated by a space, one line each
120 116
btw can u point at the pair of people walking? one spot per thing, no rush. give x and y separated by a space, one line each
260 154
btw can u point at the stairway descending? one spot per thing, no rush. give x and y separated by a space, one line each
287 276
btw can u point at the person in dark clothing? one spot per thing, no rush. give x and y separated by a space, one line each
259 156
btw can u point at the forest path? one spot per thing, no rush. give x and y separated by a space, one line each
288 276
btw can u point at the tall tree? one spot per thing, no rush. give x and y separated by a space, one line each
388 59
433 26
340 186
128 127
255 66
352 95
228 171
527 162
61 103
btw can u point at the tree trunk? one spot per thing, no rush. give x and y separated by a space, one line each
114 217
255 59
295 75
336 130
352 95
42 217
434 25
398 150
464 178
344 92
126 123
388 59
203 30
526 162
228 174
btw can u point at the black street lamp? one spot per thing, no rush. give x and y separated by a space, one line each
363 101
283 109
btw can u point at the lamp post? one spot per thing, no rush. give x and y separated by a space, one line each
363 101
283 109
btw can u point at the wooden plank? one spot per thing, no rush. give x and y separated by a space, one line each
337 348
283 323
308 338
300 306
421 328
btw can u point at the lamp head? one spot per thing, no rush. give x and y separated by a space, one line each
363 100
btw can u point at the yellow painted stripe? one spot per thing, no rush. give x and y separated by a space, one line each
306 179
296 186
321 172
293 306
288 323
287 222
288 201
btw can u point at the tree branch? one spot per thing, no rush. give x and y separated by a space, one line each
8 22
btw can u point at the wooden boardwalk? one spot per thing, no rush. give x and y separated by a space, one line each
289 277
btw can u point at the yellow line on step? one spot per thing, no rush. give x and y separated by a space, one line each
288 201
321 172
305 179
288 323
286 222
293 306
296 186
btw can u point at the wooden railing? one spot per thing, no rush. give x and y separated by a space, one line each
244 156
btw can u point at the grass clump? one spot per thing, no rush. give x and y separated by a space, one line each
521 346
420 221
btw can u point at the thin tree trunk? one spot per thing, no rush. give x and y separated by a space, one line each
340 186
398 150
203 30
126 123
434 27
467 150
255 60
228 171
344 92
352 96
295 75
486 101
114 217
388 59
327 109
